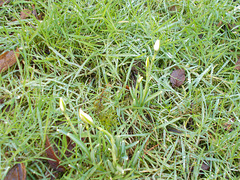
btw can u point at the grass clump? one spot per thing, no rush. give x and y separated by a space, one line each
93 56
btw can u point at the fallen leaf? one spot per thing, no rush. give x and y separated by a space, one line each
17 172
205 167
8 59
174 8
177 77
55 162
237 67
4 1
70 146
34 12
25 13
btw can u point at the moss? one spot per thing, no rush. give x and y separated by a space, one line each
106 116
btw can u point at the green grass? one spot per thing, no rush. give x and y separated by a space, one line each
87 52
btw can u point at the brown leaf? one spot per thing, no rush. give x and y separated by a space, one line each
205 167
70 146
34 12
8 59
55 162
25 13
237 67
174 8
177 77
4 1
17 172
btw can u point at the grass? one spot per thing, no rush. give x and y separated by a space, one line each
87 52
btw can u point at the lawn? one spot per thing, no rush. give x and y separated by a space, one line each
93 95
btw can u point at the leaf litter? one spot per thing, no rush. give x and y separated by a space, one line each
177 77
4 2
55 162
237 67
53 154
8 59
17 172
25 13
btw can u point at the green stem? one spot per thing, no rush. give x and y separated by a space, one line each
112 142
148 71
70 123
89 137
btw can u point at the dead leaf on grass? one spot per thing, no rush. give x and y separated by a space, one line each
177 77
8 59
70 146
237 67
17 172
205 166
34 12
4 1
55 162
25 13
174 8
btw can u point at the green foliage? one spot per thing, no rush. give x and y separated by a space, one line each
90 53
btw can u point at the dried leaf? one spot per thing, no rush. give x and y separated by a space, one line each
70 146
17 172
205 167
34 12
4 1
237 67
174 8
55 162
25 13
8 59
177 77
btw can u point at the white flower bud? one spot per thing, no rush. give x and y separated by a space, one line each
85 117
157 45
139 80
147 62
62 105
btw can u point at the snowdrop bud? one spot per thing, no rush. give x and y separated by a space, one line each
147 62
85 117
139 80
62 105
157 45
